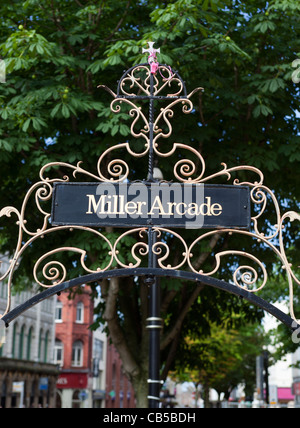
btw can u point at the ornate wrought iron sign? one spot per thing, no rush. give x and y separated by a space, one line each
112 199
178 205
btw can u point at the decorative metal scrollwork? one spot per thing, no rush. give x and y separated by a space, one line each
133 88
138 81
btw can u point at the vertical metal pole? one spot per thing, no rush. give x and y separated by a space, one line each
266 369
153 321
151 119
154 324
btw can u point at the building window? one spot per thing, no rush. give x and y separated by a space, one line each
29 339
77 354
97 356
98 349
58 353
46 347
58 311
80 312
21 342
41 345
14 344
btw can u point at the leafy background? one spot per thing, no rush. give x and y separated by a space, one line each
57 53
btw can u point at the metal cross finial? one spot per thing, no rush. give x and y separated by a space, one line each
151 50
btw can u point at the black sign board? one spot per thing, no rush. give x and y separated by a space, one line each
138 204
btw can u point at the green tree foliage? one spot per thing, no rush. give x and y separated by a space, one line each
222 360
58 52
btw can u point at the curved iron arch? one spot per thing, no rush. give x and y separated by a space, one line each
153 272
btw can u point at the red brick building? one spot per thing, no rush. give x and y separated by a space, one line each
73 348
82 356
119 392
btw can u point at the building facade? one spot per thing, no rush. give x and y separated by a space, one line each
51 358
73 348
27 373
80 352
91 370
296 377
99 368
119 392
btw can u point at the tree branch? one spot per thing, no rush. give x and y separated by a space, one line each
120 22
170 357
201 259
199 262
129 308
177 326
167 300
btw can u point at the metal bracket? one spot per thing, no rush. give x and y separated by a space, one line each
151 397
154 320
